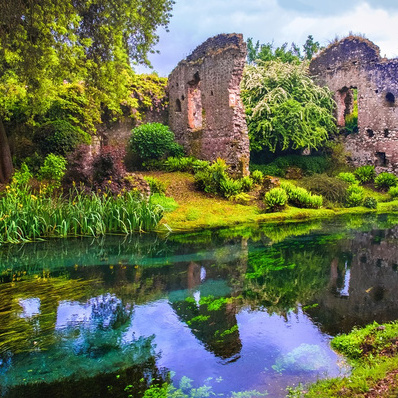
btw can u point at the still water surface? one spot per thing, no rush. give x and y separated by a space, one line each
235 310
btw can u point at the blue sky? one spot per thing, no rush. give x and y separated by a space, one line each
280 21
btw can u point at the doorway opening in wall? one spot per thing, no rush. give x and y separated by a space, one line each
351 110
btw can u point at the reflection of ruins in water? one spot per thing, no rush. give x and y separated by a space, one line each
363 283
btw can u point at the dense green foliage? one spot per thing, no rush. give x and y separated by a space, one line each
275 199
365 174
48 43
29 215
59 137
308 164
332 189
300 197
268 52
393 191
349 178
370 203
355 196
53 169
285 108
153 141
386 181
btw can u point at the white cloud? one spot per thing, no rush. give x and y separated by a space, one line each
194 21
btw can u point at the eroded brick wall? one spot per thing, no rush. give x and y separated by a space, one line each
355 62
205 110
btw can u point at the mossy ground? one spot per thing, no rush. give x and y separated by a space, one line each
372 352
198 210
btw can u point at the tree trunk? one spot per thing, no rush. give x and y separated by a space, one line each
6 167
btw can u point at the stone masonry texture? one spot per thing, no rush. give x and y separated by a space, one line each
355 63
205 109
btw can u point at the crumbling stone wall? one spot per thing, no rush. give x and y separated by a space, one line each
355 62
205 110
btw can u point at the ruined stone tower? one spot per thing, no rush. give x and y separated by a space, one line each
355 63
205 112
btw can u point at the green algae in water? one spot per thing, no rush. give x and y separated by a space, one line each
78 313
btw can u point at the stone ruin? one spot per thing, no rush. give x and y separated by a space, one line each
355 63
205 109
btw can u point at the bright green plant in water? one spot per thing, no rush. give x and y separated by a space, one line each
285 108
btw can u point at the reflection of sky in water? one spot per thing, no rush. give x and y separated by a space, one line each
265 340
74 313
344 291
30 307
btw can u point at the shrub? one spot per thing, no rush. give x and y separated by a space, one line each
155 185
53 169
385 181
257 176
332 189
275 199
247 183
347 177
354 196
21 177
300 197
208 180
179 164
365 174
200 165
370 203
393 191
152 141
308 164
268 169
229 187
215 179
108 169
59 137
79 167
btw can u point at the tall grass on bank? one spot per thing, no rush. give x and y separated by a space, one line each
27 216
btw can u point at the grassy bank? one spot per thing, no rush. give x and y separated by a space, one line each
197 210
372 351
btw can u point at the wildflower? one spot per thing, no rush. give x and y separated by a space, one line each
20 205
33 197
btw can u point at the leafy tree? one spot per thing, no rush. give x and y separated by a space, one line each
267 52
310 47
285 109
46 42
